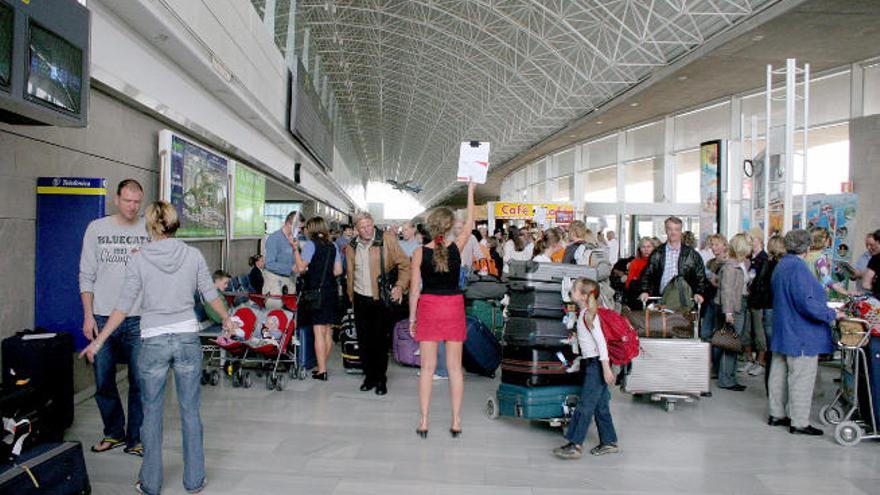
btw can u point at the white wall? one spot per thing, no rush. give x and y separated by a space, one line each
166 58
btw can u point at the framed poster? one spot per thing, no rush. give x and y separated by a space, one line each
248 198
712 156
194 180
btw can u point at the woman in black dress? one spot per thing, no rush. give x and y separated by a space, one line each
320 262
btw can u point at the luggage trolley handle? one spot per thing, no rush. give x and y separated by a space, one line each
696 317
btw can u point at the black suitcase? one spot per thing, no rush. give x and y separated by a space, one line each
535 332
536 304
20 404
538 366
44 360
52 469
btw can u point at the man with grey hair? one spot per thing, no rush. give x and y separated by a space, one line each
673 259
801 331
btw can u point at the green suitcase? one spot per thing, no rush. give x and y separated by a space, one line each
489 313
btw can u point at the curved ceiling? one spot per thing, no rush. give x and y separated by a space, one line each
413 78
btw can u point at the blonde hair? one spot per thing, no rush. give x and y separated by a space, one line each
589 288
776 246
716 237
740 246
439 223
364 215
161 219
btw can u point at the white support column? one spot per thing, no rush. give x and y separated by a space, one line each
767 155
581 159
307 40
621 181
733 197
669 160
790 124
269 17
290 45
857 91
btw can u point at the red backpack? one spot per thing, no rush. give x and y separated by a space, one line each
620 337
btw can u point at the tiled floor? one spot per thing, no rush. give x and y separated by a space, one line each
329 438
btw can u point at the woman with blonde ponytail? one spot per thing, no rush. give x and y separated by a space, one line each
436 308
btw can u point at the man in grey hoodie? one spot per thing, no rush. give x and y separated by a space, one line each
108 245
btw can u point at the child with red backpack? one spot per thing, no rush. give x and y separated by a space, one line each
597 376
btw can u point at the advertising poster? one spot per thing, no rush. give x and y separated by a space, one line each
711 154
197 186
249 196
559 213
836 213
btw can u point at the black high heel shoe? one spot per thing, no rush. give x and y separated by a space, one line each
422 433
455 433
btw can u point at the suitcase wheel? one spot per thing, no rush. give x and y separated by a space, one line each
206 377
215 377
492 408
247 380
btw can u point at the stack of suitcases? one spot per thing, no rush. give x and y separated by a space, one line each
537 349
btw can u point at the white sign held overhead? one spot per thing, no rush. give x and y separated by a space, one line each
473 162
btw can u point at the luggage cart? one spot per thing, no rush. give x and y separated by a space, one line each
851 422
671 370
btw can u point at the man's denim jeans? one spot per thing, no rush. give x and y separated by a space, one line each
182 353
121 348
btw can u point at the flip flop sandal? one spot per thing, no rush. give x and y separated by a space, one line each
111 443
137 450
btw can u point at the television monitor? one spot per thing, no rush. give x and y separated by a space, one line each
6 26
54 70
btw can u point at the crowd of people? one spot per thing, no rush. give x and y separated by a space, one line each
138 308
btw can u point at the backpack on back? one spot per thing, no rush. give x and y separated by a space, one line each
593 256
620 337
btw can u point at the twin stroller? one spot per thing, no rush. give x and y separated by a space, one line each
264 341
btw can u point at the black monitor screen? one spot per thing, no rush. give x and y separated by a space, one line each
55 74
5 44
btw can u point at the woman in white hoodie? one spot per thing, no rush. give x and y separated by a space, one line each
166 273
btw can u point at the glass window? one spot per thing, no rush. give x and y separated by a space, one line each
872 89
533 173
602 153
639 181
644 141
564 189
829 99
541 168
600 186
687 177
519 179
706 124
563 163
827 159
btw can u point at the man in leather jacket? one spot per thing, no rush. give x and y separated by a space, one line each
688 264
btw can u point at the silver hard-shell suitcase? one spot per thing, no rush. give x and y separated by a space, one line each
549 272
670 365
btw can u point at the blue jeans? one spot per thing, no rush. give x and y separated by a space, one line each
441 360
122 347
182 353
727 366
593 402
708 324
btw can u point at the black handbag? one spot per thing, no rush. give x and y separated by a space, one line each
387 282
311 299
726 339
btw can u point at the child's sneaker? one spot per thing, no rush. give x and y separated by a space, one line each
569 451
756 370
609 448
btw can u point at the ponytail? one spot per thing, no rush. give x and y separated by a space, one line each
441 255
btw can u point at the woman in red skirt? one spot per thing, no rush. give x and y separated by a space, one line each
436 308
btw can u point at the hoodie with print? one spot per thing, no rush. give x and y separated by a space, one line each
166 273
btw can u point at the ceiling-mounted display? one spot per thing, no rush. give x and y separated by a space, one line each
308 120
194 180
54 70
6 18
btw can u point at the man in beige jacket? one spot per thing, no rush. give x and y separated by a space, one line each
373 318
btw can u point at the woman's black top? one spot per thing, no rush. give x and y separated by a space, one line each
441 283
255 277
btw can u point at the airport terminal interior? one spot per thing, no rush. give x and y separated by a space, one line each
170 168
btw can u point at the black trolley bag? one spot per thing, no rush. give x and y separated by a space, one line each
533 366
536 299
43 360
47 469
535 332
482 352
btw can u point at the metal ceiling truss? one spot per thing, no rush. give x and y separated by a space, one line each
413 78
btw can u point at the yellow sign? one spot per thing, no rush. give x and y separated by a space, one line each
559 213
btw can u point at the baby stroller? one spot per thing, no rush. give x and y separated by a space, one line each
229 355
851 411
276 358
